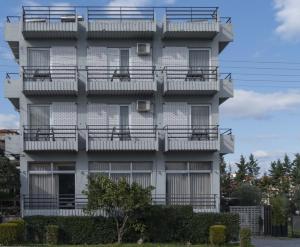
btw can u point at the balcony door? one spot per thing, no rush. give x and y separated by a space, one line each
124 64
199 62
200 121
39 122
124 123
39 63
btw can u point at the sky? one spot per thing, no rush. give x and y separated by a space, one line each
264 60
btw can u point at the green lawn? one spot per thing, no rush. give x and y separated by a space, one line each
134 245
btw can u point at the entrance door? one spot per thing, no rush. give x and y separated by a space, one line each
66 191
199 64
200 122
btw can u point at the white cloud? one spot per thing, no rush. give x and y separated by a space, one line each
30 3
8 121
251 104
261 154
288 16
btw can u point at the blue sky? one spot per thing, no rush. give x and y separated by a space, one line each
264 60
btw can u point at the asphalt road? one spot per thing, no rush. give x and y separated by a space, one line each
275 242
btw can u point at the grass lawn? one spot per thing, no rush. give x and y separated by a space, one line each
136 245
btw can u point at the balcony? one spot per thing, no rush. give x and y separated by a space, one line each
108 80
50 138
12 89
226 88
49 22
191 22
124 138
121 22
74 205
180 80
192 138
11 34
50 81
226 33
227 142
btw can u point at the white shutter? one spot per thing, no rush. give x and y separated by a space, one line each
97 114
176 113
175 56
63 56
64 113
97 56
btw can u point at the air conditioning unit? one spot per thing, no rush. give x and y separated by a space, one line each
143 105
143 49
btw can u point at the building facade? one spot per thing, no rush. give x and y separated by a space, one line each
125 92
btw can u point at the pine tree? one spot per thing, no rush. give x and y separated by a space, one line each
241 174
252 169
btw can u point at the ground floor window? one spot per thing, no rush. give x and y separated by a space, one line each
139 172
188 183
51 185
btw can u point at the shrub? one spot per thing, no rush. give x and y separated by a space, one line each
217 234
245 237
279 205
21 229
161 224
8 233
52 234
247 195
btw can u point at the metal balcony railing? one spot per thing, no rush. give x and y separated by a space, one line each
195 132
125 73
122 133
192 14
13 18
47 73
50 132
120 13
49 14
192 73
72 201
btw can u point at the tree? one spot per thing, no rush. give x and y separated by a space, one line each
241 174
247 195
119 200
252 169
280 176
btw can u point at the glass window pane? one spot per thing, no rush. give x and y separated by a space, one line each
117 176
198 166
120 166
140 166
176 166
40 167
64 167
98 166
143 179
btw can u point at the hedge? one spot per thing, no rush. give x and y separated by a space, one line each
8 234
217 235
162 224
52 234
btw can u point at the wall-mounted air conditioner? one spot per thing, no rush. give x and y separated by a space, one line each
143 49
143 105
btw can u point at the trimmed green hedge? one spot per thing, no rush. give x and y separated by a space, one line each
217 235
8 234
52 234
162 224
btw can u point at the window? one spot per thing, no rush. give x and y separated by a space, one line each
199 64
51 185
139 172
39 63
200 122
188 183
39 122
124 123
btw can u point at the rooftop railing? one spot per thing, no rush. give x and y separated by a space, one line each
192 13
49 13
120 72
120 13
50 132
122 133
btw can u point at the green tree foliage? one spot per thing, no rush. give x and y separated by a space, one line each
247 195
119 200
279 205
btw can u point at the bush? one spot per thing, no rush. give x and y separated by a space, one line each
162 224
245 237
21 229
247 195
8 234
52 234
217 234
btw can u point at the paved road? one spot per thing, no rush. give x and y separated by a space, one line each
275 242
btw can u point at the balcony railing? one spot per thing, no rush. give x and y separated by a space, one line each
49 73
193 132
120 13
50 132
192 13
122 73
122 133
72 201
192 73
49 14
